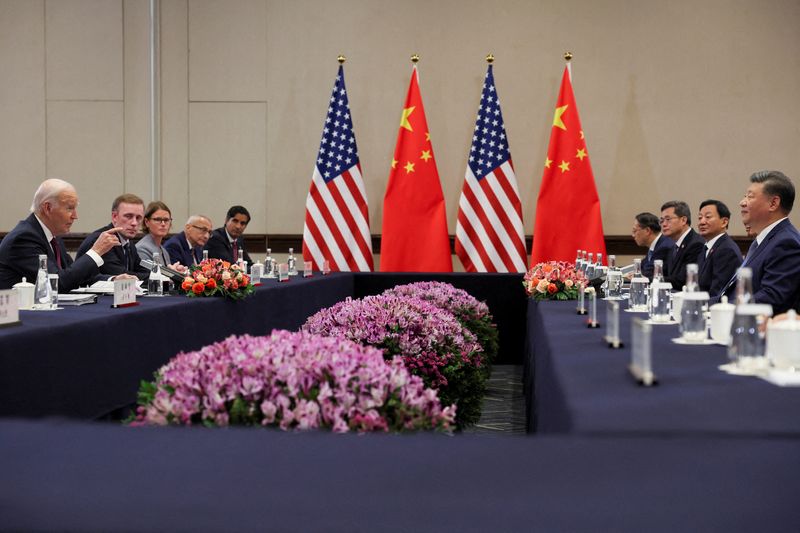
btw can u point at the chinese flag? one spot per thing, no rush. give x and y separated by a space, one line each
414 235
568 214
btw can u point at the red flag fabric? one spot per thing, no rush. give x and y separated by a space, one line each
489 234
337 222
414 237
568 214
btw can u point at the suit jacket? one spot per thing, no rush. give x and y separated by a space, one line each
662 248
723 260
776 269
219 247
114 261
178 248
675 265
146 247
19 257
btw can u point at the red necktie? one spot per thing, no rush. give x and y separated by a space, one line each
235 251
57 251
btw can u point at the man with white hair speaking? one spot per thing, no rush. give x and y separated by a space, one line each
54 209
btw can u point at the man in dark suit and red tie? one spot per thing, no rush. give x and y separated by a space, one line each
54 209
225 242
127 213
647 233
720 258
676 223
774 255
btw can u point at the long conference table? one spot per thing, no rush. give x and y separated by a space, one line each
702 451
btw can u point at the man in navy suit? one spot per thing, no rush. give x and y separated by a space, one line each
225 242
774 256
676 223
54 209
647 233
720 257
127 213
186 247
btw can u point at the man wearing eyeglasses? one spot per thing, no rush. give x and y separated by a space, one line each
186 247
646 232
676 223
225 242
127 212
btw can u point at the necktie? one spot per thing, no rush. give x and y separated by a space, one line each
127 253
56 251
750 252
235 251
649 255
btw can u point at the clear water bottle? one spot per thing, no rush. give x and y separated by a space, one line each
241 260
590 267
639 283
205 255
691 278
578 260
42 292
269 264
584 261
658 270
748 330
155 286
613 278
291 262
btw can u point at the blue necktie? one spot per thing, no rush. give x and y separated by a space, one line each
751 251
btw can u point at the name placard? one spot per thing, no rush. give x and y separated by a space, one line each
283 272
9 308
612 325
326 267
124 293
641 365
307 269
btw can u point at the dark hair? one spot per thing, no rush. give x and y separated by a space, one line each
722 209
152 207
125 199
681 209
236 210
776 183
648 220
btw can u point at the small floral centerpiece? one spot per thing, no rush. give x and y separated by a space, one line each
215 277
432 343
472 313
294 381
553 280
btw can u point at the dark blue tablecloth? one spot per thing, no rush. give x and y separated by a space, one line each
82 477
576 384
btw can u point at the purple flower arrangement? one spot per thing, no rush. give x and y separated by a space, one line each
431 342
292 381
468 310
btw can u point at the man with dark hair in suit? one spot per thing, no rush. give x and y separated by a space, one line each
647 233
720 257
127 213
676 223
54 209
774 255
186 247
226 241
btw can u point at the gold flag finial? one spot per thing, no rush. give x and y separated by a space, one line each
341 59
489 58
568 56
415 58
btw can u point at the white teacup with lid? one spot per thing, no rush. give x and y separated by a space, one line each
783 342
721 320
25 293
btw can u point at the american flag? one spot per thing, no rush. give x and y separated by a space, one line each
489 235
337 221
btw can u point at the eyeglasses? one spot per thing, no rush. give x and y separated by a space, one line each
667 219
202 229
159 220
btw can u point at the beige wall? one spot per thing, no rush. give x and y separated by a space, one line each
678 99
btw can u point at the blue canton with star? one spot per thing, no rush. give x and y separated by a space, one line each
337 150
489 143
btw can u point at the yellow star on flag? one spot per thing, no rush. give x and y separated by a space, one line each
409 167
404 123
426 154
547 162
394 163
428 136
581 134
564 166
557 122
581 153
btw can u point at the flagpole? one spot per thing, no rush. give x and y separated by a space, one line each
489 58
341 59
568 58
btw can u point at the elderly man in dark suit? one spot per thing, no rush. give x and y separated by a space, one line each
186 247
647 233
720 257
676 223
226 241
54 209
774 255
127 213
